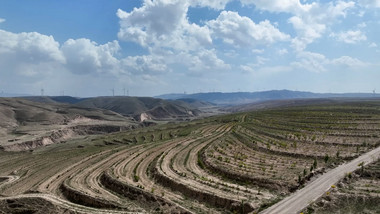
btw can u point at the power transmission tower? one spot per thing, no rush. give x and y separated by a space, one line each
113 92
42 92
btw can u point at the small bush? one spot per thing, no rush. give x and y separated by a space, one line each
349 175
315 164
326 158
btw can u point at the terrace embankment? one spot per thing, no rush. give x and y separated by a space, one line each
201 196
145 199
83 199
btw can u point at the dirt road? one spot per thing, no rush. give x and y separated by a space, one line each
302 198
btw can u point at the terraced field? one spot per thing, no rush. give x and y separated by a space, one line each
237 163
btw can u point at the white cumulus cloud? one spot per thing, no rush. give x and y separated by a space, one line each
370 3
207 60
162 23
146 64
162 26
28 54
32 47
373 45
242 31
2 20
282 51
311 61
350 37
84 56
310 20
288 6
312 24
348 61
214 4
32 54
316 62
155 17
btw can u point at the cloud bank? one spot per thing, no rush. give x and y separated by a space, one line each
279 35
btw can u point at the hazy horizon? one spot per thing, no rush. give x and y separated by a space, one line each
149 48
3 94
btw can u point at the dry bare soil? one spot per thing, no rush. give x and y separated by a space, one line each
237 163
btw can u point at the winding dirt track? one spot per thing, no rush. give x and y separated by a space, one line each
303 197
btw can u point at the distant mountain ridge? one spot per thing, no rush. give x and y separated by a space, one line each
237 98
137 107
3 94
155 108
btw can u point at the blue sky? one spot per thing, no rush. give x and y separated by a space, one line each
88 47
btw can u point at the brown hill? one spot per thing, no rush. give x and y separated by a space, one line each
152 108
25 124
